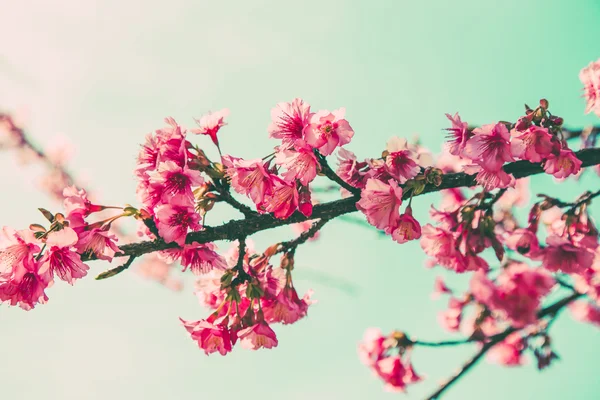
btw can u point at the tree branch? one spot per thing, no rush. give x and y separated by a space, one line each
552 309
260 222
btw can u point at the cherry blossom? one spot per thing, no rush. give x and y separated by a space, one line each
328 130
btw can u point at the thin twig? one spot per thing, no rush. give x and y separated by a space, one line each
117 270
304 236
330 173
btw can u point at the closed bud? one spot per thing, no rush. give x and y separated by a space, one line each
544 104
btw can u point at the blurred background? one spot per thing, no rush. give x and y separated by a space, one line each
102 74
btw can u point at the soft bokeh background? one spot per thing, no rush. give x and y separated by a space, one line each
104 73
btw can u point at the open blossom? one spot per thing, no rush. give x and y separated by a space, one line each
173 180
173 220
380 202
288 121
328 130
249 177
76 202
300 163
561 255
209 124
371 347
287 307
516 294
21 282
349 169
490 180
283 199
259 335
60 259
534 144
523 241
407 228
458 134
199 258
211 337
396 373
489 147
99 242
24 285
400 161
440 244
509 352
590 77
563 164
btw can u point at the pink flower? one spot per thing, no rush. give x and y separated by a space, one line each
585 312
407 228
441 245
450 319
396 373
300 162
24 285
209 124
350 170
439 288
328 130
509 352
287 307
259 335
590 77
489 147
534 144
199 258
174 180
517 293
562 165
380 202
60 259
174 219
490 180
210 337
523 241
371 349
98 242
76 202
288 121
400 162
283 200
250 177
562 255
458 134
16 248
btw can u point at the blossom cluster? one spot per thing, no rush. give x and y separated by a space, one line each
30 259
389 358
247 298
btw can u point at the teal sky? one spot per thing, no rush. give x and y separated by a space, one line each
104 73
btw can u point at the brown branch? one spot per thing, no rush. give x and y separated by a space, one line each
260 222
304 236
551 310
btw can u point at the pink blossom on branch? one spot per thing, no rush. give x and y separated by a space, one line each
380 202
210 124
289 121
328 130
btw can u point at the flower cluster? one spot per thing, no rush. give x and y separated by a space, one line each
389 358
247 298
32 258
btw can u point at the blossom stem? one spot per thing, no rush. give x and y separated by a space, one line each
293 244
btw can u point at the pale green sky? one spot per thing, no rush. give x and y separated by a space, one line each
104 73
